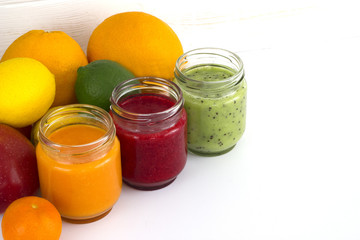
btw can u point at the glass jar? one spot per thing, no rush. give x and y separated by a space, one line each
78 158
214 89
151 125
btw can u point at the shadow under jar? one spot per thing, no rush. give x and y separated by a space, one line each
214 89
151 125
78 159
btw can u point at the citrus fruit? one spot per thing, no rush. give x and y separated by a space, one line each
140 42
31 218
96 81
27 90
61 54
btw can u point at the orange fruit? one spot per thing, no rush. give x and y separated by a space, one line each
61 54
140 42
31 218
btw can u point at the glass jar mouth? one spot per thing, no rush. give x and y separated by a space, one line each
146 85
76 114
209 57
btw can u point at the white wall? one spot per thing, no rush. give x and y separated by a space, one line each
236 25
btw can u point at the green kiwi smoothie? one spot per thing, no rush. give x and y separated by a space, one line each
216 118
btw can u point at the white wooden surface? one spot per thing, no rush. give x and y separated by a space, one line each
295 173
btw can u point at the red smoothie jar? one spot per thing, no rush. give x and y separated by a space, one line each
150 122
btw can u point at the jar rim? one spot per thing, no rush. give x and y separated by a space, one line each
135 84
231 56
79 149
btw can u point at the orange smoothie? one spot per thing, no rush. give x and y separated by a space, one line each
81 186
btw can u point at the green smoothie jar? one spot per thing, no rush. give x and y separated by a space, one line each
214 89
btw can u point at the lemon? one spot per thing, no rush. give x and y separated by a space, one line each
27 90
96 81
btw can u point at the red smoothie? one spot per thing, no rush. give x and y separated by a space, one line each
155 152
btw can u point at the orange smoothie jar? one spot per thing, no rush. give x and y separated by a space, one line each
78 157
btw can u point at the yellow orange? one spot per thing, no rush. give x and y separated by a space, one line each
31 218
60 53
140 42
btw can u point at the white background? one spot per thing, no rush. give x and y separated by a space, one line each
295 174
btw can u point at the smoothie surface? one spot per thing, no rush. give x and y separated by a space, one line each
208 73
146 103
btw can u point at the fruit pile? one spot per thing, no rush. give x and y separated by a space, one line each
42 70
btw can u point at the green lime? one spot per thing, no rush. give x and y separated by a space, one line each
96 81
